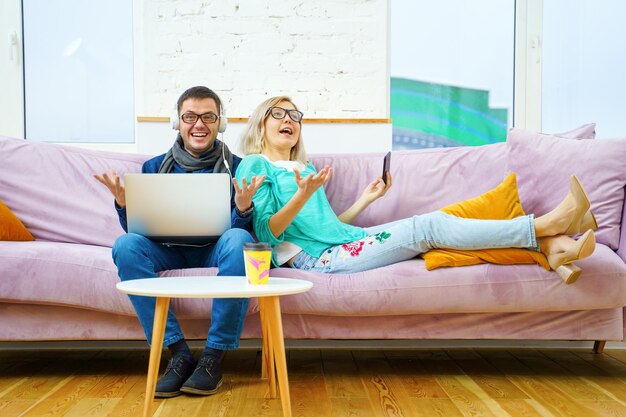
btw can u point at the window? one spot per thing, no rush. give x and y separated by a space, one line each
583 66
451 72
78 71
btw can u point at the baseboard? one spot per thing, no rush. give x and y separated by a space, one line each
318 344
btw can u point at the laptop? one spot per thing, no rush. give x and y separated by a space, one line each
178 208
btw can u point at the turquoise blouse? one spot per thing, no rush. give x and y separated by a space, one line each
315 228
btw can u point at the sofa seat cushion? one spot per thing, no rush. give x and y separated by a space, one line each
408 288
83 276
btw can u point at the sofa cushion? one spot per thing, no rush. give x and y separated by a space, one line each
82 276
11 228
61 201
544 164
408 288
501 203
586 131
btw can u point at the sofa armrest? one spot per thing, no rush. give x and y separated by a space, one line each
621 250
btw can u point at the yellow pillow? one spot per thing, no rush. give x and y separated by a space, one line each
501 203
11 228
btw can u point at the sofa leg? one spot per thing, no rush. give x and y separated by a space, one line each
598 346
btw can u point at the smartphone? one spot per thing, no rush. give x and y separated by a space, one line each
386 166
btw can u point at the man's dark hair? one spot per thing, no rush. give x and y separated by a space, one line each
199 92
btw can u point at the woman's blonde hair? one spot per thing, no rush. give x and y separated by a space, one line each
252 139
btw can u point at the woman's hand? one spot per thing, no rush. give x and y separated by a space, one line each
372 192
244 194
309 184
375 190
113 183
279 222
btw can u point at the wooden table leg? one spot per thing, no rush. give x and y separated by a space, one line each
158 331
275 322
263 341
268 369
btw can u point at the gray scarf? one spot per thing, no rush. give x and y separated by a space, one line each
213 158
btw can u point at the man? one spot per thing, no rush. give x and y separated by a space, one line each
196 150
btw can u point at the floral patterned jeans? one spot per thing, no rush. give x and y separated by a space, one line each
404 239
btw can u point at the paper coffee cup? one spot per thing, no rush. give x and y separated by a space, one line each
257 258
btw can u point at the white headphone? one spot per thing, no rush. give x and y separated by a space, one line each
175 119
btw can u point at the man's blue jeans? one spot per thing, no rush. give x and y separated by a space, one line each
138 257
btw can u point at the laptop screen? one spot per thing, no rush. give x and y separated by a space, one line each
178 208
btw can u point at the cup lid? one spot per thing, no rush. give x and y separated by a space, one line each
257 246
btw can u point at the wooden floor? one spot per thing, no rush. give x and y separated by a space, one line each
329 382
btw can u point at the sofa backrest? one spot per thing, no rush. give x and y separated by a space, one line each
423 180
51 189
621 251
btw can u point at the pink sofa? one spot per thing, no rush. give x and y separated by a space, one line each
62 285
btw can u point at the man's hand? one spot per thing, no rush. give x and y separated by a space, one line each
244 194
309 184
113 183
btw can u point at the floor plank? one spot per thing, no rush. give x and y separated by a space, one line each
350 407
339 369
598 377
523 408
385 391
538 383
436 407
487 377
417 381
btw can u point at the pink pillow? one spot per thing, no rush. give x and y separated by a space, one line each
543 164
587 131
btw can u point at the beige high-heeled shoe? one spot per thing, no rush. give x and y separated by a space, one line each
562 263
589 222
583 219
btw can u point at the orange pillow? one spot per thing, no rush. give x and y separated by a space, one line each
11 228
501 203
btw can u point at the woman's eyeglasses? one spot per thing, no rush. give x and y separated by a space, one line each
279 113
192 118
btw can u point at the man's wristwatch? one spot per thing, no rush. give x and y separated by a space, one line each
246 212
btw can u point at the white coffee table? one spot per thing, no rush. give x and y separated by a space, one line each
274 363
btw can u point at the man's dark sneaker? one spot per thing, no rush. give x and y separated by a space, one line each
207 377
177 372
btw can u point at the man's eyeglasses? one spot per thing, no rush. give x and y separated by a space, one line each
279 113
192 118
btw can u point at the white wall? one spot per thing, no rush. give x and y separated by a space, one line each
329 55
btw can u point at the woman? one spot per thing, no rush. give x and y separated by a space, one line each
293 214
